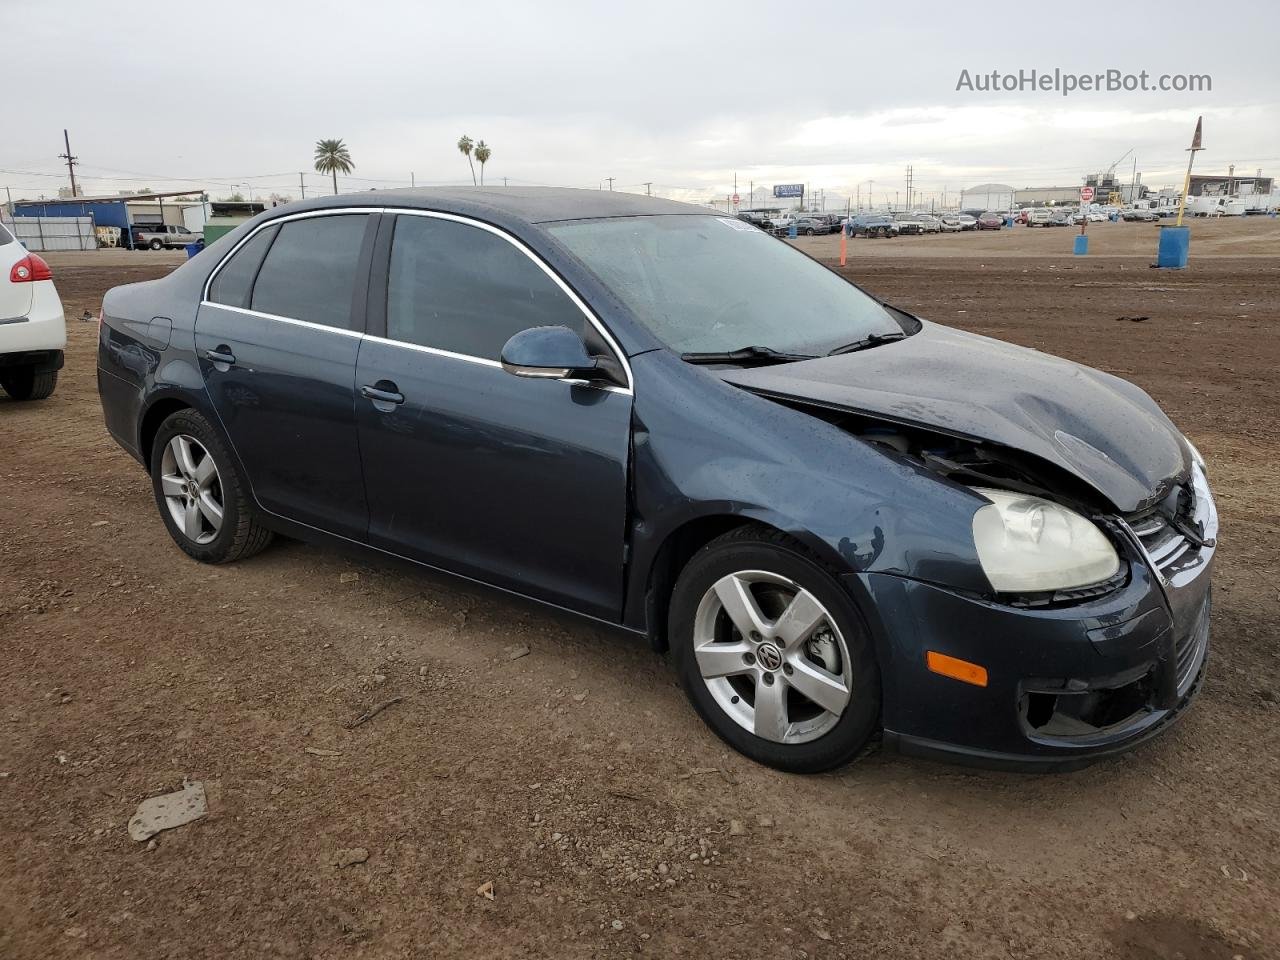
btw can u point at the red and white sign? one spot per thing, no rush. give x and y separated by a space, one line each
1086 194
736 199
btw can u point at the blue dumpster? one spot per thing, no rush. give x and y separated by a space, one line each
1082 245
192 250
1175 243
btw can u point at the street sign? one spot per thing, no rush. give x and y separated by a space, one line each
784 190
736 199
1086 194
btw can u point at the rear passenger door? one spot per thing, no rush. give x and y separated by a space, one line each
277 338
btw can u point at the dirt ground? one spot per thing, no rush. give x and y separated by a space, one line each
576 779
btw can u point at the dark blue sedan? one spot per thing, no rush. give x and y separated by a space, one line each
840 519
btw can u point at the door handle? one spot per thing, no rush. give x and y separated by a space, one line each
221 354
384 391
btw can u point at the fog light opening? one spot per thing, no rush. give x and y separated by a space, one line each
1040 709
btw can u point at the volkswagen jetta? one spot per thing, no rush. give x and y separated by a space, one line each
841 519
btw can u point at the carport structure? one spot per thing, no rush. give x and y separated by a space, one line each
106 211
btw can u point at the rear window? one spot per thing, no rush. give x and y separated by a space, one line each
310 271
233 285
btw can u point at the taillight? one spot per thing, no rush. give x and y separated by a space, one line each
29 269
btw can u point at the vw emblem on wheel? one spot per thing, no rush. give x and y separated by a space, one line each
770 657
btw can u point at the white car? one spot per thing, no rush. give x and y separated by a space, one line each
33 331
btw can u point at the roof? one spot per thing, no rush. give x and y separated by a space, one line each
117 198
530 204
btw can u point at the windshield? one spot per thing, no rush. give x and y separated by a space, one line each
712 284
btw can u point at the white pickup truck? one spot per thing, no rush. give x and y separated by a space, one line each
163 236
33 331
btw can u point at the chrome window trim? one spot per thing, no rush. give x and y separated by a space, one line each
291 320
605 334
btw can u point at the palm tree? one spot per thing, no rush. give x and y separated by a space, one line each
482 154
333 157
464 145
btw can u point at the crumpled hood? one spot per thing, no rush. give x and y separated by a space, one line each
1102 429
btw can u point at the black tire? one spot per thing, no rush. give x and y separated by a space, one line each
23 383
156 245
763 549
809 232
241 534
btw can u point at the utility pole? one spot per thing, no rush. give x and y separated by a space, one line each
610 179
504 181
871 204
908 187
71 163
302 186
648 188
9 197
412 180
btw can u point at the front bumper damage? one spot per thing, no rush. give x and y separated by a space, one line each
1068 684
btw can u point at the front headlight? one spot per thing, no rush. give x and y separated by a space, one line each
1028 545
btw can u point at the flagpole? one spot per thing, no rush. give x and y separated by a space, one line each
1191 158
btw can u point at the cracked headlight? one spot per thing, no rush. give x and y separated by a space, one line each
1029 545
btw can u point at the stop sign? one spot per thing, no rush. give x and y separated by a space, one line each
736 199
1086 194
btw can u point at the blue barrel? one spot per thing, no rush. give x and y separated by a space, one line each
192 250
1175 243
1082 245
791 230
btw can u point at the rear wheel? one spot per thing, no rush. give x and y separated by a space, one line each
23 383
773 654
156 245
203 499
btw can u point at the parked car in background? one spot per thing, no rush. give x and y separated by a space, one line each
811 226
990 221
872 225
928 222
33 331
1062 219
845 523
967 221
163 236
950 223
1141 216
1038 216
908 224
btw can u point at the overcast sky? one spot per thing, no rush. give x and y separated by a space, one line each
836 95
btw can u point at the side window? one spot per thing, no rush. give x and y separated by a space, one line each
234 281
310 271
456 287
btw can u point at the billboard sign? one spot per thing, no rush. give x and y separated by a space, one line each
783 191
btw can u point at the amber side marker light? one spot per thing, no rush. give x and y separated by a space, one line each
956 669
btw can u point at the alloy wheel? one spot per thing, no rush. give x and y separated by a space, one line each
772 656
192 488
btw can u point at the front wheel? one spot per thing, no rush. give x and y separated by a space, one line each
203 499
773 654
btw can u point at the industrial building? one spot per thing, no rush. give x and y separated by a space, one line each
122 211
1230 185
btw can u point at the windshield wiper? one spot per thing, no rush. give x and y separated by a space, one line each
872 340
752 354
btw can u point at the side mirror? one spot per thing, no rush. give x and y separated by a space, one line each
550 352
